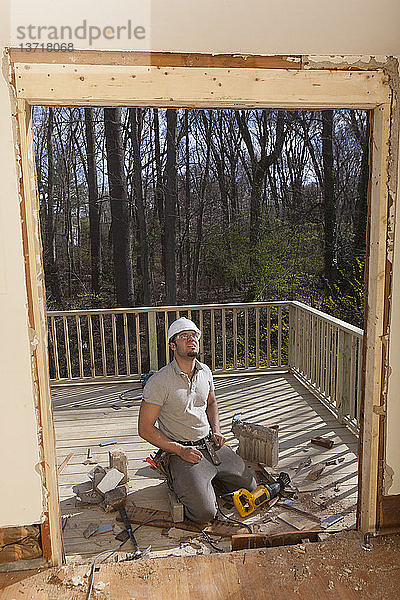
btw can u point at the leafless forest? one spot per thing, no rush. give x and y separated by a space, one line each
144 207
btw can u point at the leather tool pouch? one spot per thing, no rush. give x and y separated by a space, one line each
209 444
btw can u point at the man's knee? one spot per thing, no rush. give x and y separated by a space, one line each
201 514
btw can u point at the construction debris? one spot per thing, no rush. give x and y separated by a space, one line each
64 462
335 461
90 529
321 441
113 498
331 521
162 519
257 443
110 481
302 464
118 460
316 471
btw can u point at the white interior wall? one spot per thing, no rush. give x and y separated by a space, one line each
270 27
21 494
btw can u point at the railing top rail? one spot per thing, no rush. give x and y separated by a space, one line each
326 317
146 309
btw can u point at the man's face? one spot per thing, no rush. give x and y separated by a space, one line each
186 344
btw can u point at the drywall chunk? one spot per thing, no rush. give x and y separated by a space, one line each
110 481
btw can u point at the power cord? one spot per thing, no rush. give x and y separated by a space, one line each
233 520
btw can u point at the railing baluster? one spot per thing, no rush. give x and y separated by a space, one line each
166 337
138 348
212 340
115 345
91 348
359 374
67 350
223 316
246 338
235 349
126 341
328 361
279 336
257 338
268 336
202 335
55 347
352 390
152 340
103 347
79 340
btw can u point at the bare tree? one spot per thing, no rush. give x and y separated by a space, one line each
171 191
120 222
94 209
135 118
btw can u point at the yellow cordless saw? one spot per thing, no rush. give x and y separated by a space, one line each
246 502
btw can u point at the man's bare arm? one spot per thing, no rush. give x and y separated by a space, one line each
148 415
213 418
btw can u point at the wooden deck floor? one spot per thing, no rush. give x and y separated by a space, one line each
86 415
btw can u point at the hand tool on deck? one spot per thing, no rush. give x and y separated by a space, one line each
246 502
120 506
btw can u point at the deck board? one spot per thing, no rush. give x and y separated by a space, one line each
86 415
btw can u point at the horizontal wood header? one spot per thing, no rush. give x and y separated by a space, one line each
107 85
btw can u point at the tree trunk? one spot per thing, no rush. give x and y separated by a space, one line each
134 117
171 190
94 209
361 208
329 193
187 207
120 221
159 188
199 225
52 278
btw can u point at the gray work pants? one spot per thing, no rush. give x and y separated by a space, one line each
192 483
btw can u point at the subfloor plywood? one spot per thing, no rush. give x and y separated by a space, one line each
336 569
87 415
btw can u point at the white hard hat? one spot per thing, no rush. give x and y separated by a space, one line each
182 324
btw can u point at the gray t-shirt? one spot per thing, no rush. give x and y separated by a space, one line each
183 401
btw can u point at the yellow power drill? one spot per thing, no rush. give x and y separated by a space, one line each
246 502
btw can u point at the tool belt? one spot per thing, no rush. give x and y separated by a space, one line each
208 444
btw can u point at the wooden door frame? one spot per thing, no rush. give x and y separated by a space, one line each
92 78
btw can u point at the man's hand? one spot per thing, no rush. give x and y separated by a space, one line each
218 439
190 454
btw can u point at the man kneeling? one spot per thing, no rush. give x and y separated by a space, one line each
181 398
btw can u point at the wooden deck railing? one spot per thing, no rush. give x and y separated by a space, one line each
112 345
326 355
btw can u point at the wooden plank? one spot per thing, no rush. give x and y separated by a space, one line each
158 59
78 85
34 279
376 270
163 519
64 463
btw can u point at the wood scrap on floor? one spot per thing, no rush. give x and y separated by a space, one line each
257 443
163 519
